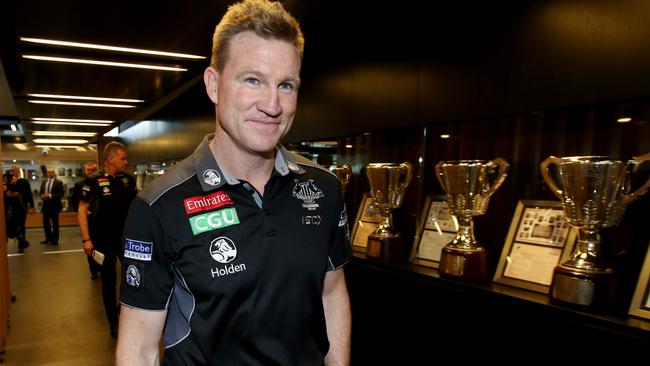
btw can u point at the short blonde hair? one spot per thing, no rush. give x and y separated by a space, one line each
111 149
266 19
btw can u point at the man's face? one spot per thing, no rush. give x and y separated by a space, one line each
119 161
88 170
51 173
258 92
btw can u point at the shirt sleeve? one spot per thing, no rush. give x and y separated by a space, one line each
147 279
340 249
88 190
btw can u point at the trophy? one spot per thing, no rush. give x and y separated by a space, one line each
343 173
388 181
593 197
469 187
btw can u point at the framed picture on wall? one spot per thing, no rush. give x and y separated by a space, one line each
436 228
366 222
640 305
538 240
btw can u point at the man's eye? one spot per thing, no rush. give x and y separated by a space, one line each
251 81
287 86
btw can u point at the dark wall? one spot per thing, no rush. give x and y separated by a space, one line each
369 67
174 131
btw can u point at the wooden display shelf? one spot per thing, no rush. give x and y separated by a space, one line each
66 218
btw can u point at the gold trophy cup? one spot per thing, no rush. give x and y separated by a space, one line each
343 172
593 197
388 181
469 188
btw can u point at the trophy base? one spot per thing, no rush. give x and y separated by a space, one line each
584 289
463 264
389 249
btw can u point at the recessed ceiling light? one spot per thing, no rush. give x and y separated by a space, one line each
13 127
71 123
72 120
104 105
445 136
22 147
60 141
108 48
64 133
624 120
57 147
85 98
103 63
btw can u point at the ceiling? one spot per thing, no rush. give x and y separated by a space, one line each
151 25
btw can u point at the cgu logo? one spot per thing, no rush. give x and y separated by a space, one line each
214 220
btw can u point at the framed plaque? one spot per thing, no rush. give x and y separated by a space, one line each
436 228
538 240
640 305
366 222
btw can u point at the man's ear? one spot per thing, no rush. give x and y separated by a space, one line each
211 78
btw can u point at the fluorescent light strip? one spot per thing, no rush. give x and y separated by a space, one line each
72 120
64 133
71 123
103 63
81 104
60 141
109 48
58 147
85 98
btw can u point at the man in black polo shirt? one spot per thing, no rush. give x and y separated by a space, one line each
235 254
103 206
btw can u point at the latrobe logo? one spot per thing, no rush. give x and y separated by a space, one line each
214 220
140 250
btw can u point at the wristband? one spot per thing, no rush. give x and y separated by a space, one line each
85 240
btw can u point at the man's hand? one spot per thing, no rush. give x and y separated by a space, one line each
88 247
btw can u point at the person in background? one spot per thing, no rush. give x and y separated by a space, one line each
89 168
51 193
103 205
236 253
15 213
25 190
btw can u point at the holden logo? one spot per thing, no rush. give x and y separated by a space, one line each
223 250
211 177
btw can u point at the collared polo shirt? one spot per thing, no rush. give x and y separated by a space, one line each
240 274
109 198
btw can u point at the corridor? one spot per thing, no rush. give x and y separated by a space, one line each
58 317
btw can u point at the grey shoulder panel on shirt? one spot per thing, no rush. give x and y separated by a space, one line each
299 159
178 174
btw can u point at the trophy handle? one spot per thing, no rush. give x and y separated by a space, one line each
551 160
631 197
439 175
503 173
409 174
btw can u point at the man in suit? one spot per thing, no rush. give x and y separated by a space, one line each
51 193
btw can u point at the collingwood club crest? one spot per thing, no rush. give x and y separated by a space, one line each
308 193
132 276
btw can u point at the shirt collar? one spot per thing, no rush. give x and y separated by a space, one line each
211 176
